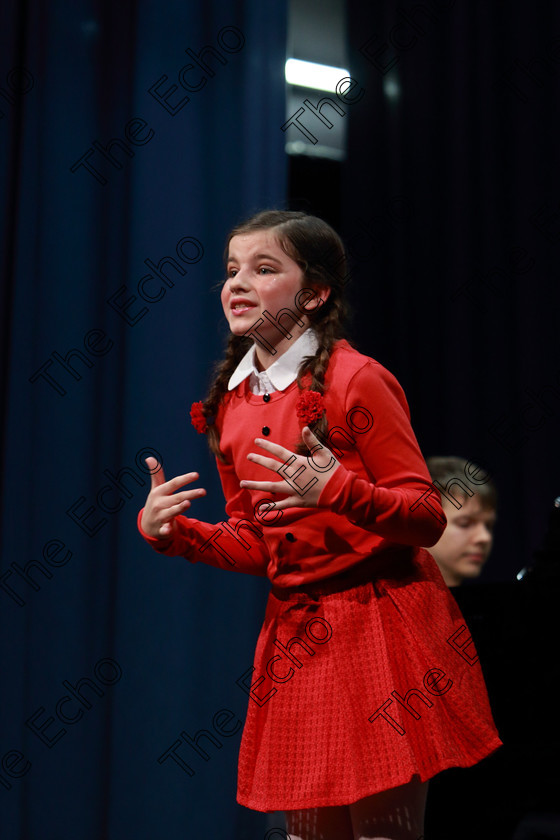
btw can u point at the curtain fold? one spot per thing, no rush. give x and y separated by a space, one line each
133 136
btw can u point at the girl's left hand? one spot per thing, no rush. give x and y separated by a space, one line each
304 476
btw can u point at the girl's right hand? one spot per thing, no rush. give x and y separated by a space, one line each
164 503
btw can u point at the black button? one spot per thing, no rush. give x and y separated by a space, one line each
265 430
290 537
266 397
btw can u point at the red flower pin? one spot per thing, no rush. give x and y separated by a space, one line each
198 418
310 407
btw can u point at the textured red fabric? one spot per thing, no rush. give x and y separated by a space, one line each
308 742
352 565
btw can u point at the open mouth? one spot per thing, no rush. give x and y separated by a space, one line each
239 307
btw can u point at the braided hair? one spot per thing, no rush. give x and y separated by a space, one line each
319 251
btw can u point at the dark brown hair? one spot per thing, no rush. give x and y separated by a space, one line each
319 251
444 468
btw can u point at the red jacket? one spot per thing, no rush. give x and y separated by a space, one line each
379 497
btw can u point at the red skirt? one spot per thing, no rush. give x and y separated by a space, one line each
360 682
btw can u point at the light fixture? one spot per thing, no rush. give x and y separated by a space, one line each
317 76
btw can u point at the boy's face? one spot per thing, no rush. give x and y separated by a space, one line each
465 544
261 276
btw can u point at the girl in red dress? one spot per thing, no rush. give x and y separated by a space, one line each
365 681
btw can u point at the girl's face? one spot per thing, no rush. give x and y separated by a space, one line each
262 277
465 544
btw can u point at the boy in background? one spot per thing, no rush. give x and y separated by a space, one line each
470 508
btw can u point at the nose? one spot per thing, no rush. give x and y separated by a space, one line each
483 536
239 282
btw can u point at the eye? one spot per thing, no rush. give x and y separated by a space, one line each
231 272
264 269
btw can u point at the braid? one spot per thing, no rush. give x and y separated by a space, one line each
236 348
328 331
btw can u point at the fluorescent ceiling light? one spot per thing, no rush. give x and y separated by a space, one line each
317 76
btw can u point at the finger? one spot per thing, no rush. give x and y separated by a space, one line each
171 512
156 471
307 435
266 486
322 457
311 441
166 530
283 504
179 481
269 463
187 495
170 506
274 448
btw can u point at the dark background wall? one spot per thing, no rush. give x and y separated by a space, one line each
447 203
447 198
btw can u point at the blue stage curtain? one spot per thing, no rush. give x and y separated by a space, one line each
133 136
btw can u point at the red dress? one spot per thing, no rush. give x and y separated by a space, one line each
364 673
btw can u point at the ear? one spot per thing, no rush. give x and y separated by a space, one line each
311 298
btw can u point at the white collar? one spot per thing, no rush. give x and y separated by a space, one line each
282 372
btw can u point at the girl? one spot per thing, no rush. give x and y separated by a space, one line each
365 680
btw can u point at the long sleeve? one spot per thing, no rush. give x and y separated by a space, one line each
399 503
236 544
380 496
